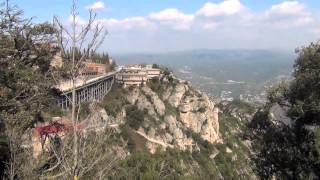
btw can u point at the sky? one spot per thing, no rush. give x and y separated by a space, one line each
176 25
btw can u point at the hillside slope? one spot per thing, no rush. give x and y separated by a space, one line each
173 131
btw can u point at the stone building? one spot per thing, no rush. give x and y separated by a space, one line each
93 69
137 75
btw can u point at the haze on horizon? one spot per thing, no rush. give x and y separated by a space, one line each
161 26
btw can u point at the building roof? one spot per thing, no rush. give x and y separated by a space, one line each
93 65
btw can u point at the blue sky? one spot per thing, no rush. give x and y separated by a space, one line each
168 25
45 9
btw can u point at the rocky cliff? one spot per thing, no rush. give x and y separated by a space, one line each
169 121
171 110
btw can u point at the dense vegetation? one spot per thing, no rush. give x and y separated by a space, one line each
292 151
92 56
24 80
134 116
114 100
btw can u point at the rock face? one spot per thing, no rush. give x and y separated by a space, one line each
200 115
177 94
176 109
278 115
155 100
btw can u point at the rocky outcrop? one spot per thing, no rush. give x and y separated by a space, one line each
206 123
136 97
177 94
278 115
155 100
173 113
197 111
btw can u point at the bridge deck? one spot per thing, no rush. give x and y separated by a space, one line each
66 86
87 90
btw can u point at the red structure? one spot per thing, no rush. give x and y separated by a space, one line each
53 128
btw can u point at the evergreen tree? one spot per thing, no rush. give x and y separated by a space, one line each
292 151
25 52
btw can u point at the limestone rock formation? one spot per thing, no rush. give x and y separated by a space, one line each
155 100
205 123
136 97
173 112
177 94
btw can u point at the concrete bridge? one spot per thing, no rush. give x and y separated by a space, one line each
87 90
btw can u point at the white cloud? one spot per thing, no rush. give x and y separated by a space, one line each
168 18
99 5
225 8
210 26
127 23
170 15
287 14
173 18
228 24
287 8
315 31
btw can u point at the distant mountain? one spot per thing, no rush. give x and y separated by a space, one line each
213 70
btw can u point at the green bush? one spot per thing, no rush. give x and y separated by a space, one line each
134 116
114 100
161 165
156 86
278 93
155 66
170 110
166 71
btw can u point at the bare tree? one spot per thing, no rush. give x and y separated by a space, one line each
96 158
89 37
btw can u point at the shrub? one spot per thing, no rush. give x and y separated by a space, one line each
166 71
134 116
156 86
114 100
170 110
244 107
161 165
277 94
155 66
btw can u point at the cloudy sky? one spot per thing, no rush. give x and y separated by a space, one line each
170 25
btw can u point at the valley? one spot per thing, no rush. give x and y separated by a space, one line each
224 74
